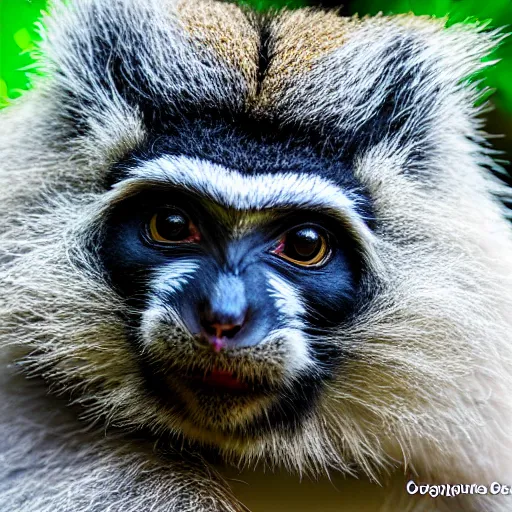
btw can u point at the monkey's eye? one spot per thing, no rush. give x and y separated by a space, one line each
305 246
172 226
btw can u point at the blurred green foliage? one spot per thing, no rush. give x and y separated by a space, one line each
497 12
264 5
17 34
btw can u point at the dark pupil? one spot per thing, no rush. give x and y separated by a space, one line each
303 245
172 226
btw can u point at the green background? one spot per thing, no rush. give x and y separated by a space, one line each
18 33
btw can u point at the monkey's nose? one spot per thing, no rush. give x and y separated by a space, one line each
219 331
223 315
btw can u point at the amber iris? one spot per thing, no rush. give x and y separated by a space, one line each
172 226
306 246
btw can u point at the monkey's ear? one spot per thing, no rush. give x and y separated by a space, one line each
115 66
405 82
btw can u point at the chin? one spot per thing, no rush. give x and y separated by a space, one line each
230 398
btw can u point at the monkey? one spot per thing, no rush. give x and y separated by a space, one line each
273 244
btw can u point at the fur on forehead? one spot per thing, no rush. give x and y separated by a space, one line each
400 80
240 222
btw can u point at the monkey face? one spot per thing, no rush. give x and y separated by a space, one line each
271 234
232 289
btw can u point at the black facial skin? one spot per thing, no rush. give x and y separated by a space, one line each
231 286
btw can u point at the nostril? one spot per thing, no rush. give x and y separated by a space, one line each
209 328
231 332
221 330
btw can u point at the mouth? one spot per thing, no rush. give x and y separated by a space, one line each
223 379
225 382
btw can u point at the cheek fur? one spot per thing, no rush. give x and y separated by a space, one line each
174 276
288 302
167 289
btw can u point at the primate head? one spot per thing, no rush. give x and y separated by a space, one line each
273 234
236 275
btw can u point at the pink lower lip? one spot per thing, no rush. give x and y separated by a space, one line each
218 344
223 379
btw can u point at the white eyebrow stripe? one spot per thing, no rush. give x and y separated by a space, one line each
233 189
244 192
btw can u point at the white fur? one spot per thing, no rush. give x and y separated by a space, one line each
289 304
426 384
